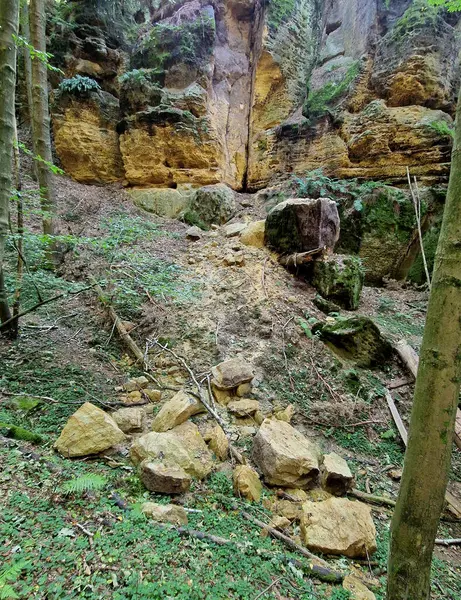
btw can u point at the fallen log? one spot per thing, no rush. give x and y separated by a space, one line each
299 258
380 500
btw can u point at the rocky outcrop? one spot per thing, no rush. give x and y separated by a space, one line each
300 225
88 431
284 455
338 526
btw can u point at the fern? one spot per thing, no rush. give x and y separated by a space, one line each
84 483
8 575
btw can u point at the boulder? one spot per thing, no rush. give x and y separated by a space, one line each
340 278
326 306
286 414
153 395
243 408
253 234
338 526
136 384
336 476
234 229
182 446
130 419
357 339
176 411
165 513
213 204
88 431
299 225
158 477
290 510
231 373
194 233
165 202
284 455
217 442
246 483
358 590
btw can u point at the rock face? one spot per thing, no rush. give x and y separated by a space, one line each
357 339
299 225
165 513
340 278
230 106
336 477
246 483
213 204
182 447
284 455
338 526
176 411
158 477
88 431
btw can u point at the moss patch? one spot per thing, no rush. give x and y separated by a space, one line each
340 278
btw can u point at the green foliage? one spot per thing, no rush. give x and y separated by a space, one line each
53 168
43 57
192 218
84 483
8 575
442 128
279 11
19 433
78 86
340 593
321 100
450 5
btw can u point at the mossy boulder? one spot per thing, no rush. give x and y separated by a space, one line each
340 278
213 204
19 433
302 224
357 339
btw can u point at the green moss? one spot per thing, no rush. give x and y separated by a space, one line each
18 433
190 42
279 12
319 101
419 15
191 217
442 128
389 212
340 279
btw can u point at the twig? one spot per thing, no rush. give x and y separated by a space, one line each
371 498
396 416
414 191
301 258
331 391
87 533
449 542
263 277
269 587
42 303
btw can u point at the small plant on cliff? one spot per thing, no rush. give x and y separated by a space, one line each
79 86
442 128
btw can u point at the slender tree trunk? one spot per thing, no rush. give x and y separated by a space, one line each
25 30
427 460
40 114
20 233
9 17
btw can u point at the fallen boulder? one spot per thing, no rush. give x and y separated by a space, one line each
89 430
213 204
247 483
300 225
340 278
357 589
165 513
182 446
130 419
231 373
336 477
176 411
243 408
338 526
158 477
253 234
217 442
357 339
284 455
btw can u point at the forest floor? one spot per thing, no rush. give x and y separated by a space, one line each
68 545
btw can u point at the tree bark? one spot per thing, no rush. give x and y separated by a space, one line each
40 115
25 30
9 17
427 460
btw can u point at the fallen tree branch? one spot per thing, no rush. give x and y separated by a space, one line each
449 542
371 498
299 258
23 313
126 337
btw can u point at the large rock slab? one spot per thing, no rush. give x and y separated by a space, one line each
176 411
165 513
338 526
89 430
158 477
340 278
182 446
165 202
214 204
284 455
357 339
302 224
231 373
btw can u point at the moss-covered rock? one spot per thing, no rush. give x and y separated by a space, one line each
19 433
213 204
340 278
357 339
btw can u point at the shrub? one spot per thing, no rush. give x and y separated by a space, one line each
79 86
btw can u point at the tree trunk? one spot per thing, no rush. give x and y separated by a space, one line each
427 460
9 17
25 30
40 115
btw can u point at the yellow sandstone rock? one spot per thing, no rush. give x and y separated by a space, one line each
176 411
358 590
217 442
253 235
165 513
88 431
